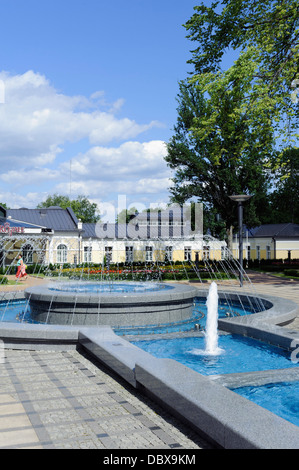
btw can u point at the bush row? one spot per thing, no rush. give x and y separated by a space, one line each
3 280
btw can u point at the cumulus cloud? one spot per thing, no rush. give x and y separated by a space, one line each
133 168
37 120
130 159
37 123
36 175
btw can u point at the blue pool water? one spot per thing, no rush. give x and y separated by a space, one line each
280 398
198 318
239 354
13 311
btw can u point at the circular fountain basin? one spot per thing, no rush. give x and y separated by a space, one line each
117 304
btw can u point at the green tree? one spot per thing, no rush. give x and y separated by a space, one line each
266 37
85 210
125 215
216 151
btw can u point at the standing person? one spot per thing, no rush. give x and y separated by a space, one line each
21 268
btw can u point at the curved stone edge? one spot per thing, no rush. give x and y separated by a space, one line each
215 412
262 325
221 416
116 310
265 325
177 292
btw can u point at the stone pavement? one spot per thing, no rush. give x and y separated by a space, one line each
62 400
21 284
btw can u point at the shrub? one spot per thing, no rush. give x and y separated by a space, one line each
291 272
3 280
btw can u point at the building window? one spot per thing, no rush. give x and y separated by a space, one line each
129 254
168 253
258 252
268 252
62 254
187 253
248 252
87 254
27 254
148 253
206 252
223 252
108 254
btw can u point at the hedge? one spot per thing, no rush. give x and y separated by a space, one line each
3 280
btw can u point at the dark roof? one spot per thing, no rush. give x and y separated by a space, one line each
287 230
17 223
51 217
89 231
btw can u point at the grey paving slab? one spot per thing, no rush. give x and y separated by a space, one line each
52 399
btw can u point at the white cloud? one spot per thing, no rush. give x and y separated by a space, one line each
30 177
131 159
36 119
16 200
38 124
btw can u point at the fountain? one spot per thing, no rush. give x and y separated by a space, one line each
63 305
117 304
211 333
139 292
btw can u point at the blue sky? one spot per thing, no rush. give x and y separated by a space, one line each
90 97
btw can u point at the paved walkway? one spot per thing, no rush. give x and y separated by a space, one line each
62 400
21 284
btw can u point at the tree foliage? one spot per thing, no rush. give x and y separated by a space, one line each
215 153
125 215
234 124
85 210
266 37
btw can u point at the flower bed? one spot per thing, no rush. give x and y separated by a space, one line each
139 273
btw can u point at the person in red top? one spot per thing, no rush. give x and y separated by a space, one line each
21 269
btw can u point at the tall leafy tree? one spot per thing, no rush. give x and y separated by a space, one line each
266 37
217 152
124 216
85 210
232 121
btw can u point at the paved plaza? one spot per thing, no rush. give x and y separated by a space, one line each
62 400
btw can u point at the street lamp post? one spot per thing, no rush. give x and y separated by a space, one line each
240 198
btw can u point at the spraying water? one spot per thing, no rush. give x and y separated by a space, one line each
211 333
